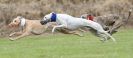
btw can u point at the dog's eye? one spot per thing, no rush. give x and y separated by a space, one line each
15 21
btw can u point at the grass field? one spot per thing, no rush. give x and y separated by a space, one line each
68 46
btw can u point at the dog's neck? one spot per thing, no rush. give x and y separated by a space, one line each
53 17
22 23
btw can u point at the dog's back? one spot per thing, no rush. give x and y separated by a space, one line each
107 19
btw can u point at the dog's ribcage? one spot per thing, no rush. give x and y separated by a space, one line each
71 22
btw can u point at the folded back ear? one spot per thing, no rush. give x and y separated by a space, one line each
20 17
53 12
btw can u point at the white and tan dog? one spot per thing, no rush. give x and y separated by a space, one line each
27 27
72 23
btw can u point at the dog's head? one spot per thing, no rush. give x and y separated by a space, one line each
48 18
17 22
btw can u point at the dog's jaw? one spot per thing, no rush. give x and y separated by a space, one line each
43 22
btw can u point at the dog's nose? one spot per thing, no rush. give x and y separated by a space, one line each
42 22
10 25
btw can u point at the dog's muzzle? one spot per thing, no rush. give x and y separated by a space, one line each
44 22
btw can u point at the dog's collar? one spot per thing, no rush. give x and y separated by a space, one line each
53 17
22 22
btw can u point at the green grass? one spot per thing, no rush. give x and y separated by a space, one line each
68 46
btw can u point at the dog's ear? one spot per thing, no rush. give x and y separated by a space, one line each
20 17
53 12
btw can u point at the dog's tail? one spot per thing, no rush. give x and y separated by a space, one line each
129 14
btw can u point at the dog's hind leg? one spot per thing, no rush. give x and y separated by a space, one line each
116 26
109 36
103 36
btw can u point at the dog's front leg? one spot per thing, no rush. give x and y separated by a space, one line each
116 26
64 26
15 33
24 34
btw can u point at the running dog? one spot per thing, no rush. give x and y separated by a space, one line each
72 23
110 22
27 27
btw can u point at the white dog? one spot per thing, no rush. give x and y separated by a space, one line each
73 23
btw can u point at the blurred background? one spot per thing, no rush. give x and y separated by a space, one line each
36 9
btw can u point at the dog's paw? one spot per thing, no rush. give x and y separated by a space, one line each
102 40
12 39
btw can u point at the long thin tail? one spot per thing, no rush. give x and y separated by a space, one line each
129 14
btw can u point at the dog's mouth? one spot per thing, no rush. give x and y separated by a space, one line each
12 25
43 22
